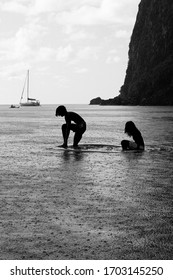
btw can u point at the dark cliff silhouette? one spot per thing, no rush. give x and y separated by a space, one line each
149 75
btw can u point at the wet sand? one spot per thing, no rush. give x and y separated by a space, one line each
72 205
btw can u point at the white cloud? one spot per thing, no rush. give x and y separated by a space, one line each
79 35
113 57
15 71
15 6
88 52
23 44
122 34
63 53
45 54
14 48
46 6
109 11
85 53
81 70
75 12
62 81
85 15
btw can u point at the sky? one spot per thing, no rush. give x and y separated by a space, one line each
76 50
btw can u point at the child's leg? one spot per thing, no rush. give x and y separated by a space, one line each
79 130
125 144
77 138
65 134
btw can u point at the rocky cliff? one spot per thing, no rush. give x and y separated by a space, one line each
149 75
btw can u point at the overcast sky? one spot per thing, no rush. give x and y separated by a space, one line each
76 50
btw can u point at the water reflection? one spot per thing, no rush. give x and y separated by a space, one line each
68 155
133 155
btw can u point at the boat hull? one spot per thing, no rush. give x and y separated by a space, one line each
28 104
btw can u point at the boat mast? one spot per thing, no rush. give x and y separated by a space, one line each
23 88
27 85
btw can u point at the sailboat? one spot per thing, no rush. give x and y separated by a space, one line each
29 101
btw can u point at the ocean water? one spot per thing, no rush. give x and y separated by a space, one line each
101 203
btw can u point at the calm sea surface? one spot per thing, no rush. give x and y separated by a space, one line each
131 191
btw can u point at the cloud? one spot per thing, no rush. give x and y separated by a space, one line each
45 54
81 70
73 56
17 6
46 6
122 34
113 57
62 81
63 53
15 71
85 15
108 11
23 44
79 35
75 12
86 53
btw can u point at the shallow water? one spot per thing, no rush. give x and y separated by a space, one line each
98 204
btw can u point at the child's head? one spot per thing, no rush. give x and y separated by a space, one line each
60 111
130 128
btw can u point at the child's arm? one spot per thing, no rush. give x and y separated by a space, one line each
68 123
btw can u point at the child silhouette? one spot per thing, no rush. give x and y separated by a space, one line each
74 122
138 143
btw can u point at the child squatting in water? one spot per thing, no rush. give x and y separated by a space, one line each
138 143
74 122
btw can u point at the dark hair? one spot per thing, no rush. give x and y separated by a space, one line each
130 127
61 110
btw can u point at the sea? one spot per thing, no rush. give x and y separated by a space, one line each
95 203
